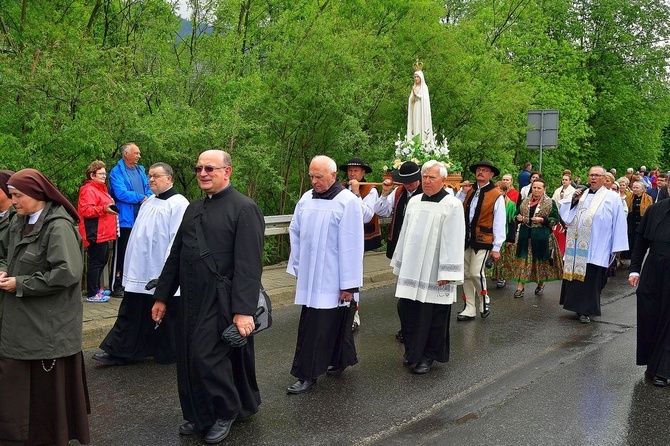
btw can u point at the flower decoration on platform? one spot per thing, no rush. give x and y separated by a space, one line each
421 151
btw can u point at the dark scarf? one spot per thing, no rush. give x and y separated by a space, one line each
331 193
34 184
4 177
167 194
437 197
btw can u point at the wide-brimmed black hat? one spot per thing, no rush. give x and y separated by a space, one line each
409 172
483 163
355 162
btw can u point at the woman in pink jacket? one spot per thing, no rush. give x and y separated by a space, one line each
97 226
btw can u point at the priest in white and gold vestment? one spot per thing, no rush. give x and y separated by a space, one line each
428 261
596 231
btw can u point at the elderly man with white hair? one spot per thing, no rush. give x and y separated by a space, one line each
596 231
327 260
428 261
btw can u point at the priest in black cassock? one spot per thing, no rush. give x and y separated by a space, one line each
653 292
217 383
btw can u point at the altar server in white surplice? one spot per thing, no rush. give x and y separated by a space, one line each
596 231
135 335
327 259
428 261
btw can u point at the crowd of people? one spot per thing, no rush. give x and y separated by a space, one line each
187 271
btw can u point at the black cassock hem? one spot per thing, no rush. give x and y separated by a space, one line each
324 338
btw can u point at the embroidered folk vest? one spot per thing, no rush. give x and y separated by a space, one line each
372 233
479 231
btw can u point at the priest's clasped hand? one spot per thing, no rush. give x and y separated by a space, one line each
346 296
245 324
158 311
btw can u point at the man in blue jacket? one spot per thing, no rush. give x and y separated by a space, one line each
130 188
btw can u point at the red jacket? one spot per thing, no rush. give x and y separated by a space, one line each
95 225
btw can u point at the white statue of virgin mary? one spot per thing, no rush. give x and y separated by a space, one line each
419 121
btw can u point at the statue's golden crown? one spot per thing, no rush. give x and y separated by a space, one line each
418 65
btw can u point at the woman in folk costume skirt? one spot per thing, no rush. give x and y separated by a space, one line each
43 392
502 269
537 258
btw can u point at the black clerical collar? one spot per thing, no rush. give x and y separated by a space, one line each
222 193
331 193
591 191
436 197
170 192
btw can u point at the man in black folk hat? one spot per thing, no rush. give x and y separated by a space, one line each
367 194
393 202
484 235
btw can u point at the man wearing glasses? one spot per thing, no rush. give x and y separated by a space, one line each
485 220
596 231
216 382
134 335
129 187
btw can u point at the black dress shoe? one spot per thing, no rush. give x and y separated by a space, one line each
189 428
462 317
301 386
423 366
487 310
108 359
332 370
659 381
584 319
399 337
218 432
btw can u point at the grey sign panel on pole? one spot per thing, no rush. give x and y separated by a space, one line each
542 129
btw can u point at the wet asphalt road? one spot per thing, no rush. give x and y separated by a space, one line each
530 374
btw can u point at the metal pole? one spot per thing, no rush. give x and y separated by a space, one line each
541 133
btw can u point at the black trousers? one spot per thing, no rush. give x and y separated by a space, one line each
97 258
425 330
584 297
324 338
136 336
116 273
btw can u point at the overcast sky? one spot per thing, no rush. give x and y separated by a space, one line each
183 10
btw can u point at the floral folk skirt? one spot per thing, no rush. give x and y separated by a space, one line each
532 270
502 269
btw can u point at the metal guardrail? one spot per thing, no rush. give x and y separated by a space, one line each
278 224
274 225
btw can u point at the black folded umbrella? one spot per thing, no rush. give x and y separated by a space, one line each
151 284
232 336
